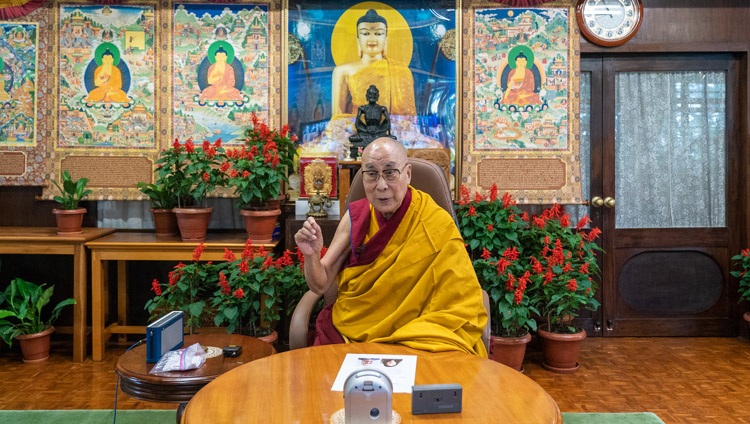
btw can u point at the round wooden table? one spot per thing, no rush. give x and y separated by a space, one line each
180 386
295 387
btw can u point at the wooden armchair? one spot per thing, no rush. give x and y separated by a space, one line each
426 176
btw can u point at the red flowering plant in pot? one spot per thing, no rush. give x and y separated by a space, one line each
256 172
194 173
244 294
494 226
188 289
563 262
743 262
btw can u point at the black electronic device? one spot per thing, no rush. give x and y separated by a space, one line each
436 398
232 351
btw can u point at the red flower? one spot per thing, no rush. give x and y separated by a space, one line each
572 284
486 254
244 267
493 192
490 227
174 277
583 222
464 194
197 253
156 287
507 200
593 234
502 264
225 289
511 253
472 211
239 293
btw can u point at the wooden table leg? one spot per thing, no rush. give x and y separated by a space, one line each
122 297
79 309
97 306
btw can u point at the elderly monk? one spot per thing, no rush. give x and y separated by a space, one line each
403 273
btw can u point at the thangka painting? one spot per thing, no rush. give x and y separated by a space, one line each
107 68
108 95
222 70
18 102
336 50
521 131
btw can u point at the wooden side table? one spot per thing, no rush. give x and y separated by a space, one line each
46 241
141 246
180 386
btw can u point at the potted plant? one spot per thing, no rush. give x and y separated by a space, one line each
532 266
163 200
244 294
69 216
563 262
256 171
743 261
195 172
21 318
494 227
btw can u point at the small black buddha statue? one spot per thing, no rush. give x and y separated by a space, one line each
372 122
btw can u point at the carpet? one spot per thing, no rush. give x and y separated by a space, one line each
155 416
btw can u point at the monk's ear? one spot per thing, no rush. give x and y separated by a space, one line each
407 171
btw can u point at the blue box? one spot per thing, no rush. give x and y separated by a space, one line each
164 334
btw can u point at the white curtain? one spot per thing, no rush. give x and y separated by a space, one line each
133 214
670 149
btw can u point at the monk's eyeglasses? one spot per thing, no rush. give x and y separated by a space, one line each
389 175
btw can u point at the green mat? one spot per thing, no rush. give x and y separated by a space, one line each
97 416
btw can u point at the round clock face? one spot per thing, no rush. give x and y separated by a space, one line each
609 22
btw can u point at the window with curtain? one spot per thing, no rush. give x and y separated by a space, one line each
670 149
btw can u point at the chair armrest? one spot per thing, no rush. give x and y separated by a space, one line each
299 325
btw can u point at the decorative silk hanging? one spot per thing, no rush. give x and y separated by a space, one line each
522 3
10 9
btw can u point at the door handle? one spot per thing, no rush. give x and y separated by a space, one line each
609 202
597 202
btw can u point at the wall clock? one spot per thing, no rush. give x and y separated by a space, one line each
609 23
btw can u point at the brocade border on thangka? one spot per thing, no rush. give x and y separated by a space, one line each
138 130
24 121
521 129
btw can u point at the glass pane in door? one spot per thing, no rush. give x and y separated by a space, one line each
670 149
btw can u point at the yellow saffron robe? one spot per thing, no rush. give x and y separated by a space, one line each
421 291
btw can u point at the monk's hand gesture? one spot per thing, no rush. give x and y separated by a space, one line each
309 238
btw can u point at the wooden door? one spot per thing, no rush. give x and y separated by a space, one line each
661 277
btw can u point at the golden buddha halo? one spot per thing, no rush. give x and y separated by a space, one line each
344 37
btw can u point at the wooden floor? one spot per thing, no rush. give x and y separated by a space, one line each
682 380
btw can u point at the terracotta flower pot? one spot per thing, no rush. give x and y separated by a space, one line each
193 222
165 222
35 347
69 221
260 224
561 350
271 338
509 351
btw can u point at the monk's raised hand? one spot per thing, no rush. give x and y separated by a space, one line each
309 238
